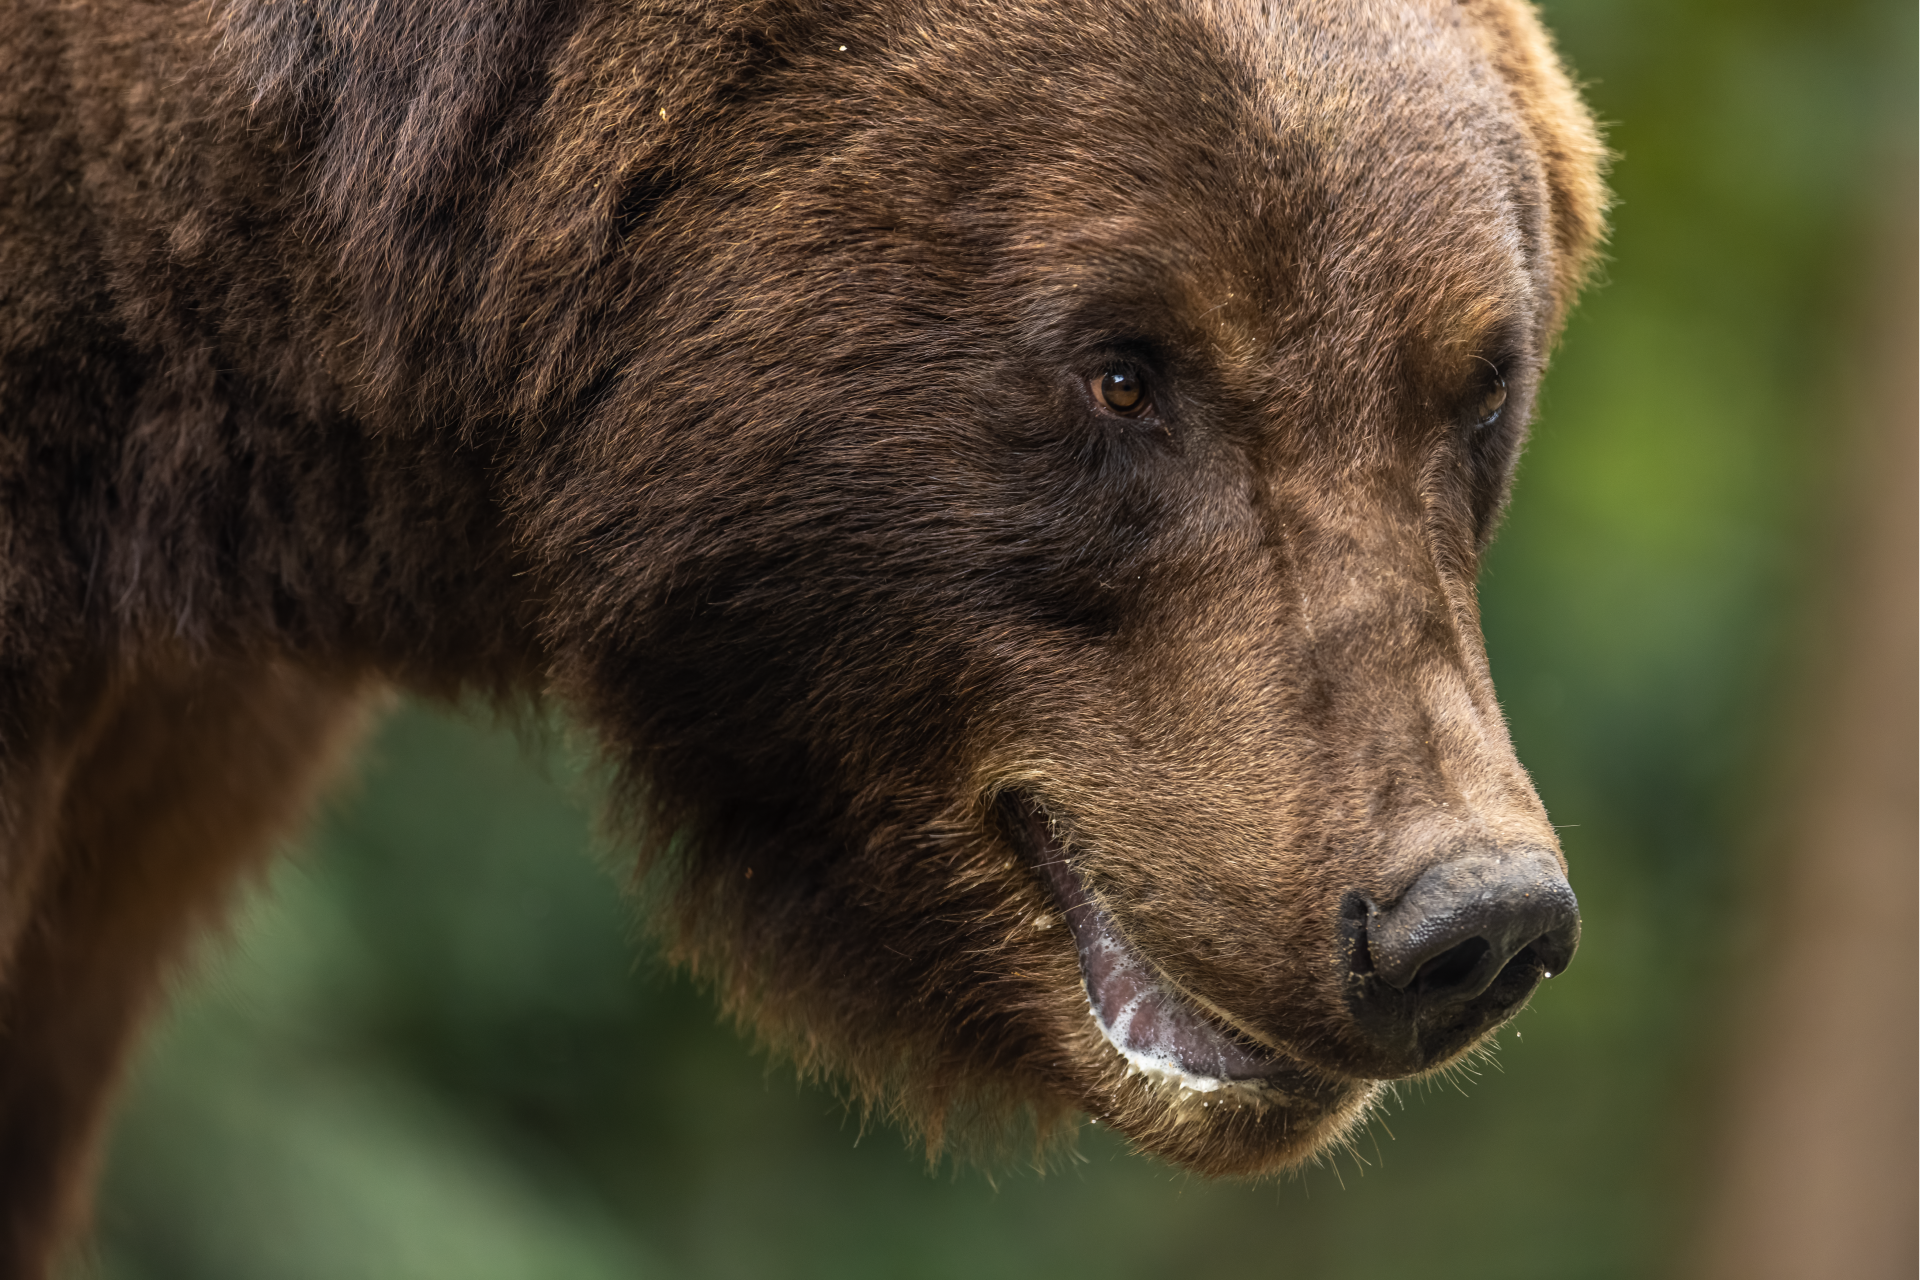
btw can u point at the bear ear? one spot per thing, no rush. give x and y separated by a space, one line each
1563 133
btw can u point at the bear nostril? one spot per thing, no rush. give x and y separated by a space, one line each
1450 969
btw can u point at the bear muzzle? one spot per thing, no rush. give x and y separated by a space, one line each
1421 979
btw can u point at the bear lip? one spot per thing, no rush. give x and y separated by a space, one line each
1161 1032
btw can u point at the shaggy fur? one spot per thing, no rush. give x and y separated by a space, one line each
721 369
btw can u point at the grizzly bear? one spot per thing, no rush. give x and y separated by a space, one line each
1000 484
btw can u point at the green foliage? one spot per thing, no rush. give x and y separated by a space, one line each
436 1047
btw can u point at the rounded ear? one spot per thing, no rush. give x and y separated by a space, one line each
1563 133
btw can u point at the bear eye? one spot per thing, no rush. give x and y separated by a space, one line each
1121 390
1493 399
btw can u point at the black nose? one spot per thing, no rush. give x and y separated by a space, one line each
1462 949
1461 922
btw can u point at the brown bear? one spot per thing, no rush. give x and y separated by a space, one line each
1002 484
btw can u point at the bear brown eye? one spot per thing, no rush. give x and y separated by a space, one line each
1492 401
1123 391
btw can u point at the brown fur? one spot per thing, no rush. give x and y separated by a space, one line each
719 371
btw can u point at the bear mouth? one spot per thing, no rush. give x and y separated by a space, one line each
1162 1033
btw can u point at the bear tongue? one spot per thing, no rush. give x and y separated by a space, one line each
1158 1030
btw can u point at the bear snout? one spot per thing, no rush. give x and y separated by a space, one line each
1458 953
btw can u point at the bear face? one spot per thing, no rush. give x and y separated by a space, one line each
1023 555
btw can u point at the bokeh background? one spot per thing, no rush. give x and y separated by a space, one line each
436 1043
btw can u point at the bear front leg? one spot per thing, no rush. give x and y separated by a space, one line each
186 776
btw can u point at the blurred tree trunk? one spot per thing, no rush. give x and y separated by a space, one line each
1814 1173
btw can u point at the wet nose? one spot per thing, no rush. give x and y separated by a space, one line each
1456 954
1463 922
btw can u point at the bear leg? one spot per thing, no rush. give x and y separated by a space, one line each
190 775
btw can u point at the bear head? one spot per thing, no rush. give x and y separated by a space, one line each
1010 504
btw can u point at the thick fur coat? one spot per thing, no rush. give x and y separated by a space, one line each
974 468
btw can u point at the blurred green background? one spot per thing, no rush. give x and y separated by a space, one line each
436 1046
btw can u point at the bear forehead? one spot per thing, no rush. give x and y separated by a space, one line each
1270 185
1410 148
